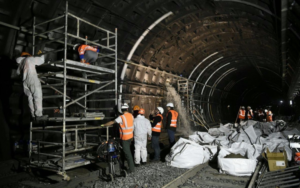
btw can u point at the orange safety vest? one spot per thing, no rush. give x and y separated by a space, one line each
269 116
126 129
174 118
82 48
242 114
250 114
260 113
157 127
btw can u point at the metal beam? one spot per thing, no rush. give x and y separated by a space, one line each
284 9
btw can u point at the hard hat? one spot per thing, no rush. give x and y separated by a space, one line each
75 46
142 111
136 107
170 104
124 106
25 54
242 106
160 109
248 106
266 110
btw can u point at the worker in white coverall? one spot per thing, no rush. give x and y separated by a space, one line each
31 83
142 129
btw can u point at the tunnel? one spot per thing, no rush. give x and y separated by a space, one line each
226 53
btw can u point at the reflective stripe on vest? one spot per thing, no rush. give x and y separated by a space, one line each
269 116
126 129
157 127
174 118
250 114
242 114
82 48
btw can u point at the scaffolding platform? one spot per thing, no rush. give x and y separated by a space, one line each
70 119
75 65
83 104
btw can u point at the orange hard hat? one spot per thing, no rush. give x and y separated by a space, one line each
25 54
136 107
142 111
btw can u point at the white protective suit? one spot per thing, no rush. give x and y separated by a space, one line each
142 128
31 83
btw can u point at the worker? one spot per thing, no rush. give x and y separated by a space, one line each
242 113
135 109
171 123
31 83
142 131
250 113
261 115
156 123
255 114
126 133
87 54
269 115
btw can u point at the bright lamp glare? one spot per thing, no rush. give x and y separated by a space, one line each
281 101
291 102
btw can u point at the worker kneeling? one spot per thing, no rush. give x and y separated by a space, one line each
142 129
87 54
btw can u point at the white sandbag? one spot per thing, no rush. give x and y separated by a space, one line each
253 151
187 154
202 138
276 144
247 134
251 123
206 138
223 130
290 131
236 166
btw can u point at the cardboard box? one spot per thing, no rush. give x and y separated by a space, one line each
276 160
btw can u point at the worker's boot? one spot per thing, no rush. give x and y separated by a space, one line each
41 118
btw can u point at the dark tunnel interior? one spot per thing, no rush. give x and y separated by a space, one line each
234 53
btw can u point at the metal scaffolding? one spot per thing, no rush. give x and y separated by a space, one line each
184 87
63 157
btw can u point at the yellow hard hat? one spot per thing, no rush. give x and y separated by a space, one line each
25 54
136 107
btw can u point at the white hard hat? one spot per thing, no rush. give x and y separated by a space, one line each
170 104
160 109
75 46
266 110
124 106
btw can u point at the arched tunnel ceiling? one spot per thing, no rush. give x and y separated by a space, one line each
245 34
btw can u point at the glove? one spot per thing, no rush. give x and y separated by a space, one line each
39 52
102 125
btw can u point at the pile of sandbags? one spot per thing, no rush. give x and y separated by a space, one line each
238 148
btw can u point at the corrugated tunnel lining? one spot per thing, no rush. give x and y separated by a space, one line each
244 33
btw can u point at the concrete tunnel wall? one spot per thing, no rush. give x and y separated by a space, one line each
259 62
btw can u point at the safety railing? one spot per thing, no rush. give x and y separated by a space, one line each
64 36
